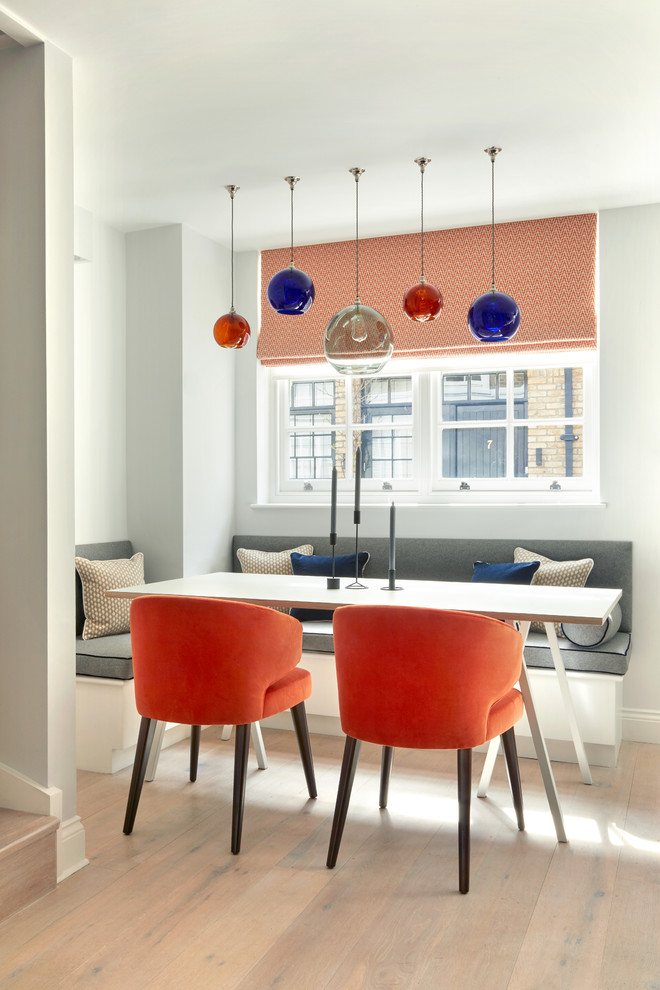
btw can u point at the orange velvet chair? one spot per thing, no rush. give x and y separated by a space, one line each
425 678
201 661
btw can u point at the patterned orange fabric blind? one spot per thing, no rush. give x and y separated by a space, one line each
548 266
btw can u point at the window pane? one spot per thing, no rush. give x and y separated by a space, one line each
387 454
552 451
382 400
318 402
401 389
474 397
554 392
301 393
312 454
324 393
479 453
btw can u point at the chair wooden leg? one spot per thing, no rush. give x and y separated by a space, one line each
513 771
195 736
346 777
385 770
299 716
143 748
464 795
242 746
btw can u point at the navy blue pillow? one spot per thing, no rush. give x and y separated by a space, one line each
322 567
505 573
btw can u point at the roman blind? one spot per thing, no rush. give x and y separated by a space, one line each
547 265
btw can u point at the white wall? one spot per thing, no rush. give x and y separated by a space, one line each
154 455
100 382
208 409
630 359
37 675
180 402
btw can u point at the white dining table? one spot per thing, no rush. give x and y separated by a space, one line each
521 604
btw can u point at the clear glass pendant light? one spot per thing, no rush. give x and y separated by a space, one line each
358 339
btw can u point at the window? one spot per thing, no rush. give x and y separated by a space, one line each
327 419
523 423
439 432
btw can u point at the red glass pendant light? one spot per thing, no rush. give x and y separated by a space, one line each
423 301
232 330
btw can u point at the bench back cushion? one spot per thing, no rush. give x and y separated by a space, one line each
115 550
439 559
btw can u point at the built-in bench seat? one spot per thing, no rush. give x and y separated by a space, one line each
612 657
595 674
107 721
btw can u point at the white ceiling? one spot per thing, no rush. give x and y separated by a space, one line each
173 100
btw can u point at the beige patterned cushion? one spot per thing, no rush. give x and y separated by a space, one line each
561 573
107 616
267 562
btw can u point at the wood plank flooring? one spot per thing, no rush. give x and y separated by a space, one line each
169 907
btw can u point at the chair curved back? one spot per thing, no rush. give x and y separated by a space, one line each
424 678
202 661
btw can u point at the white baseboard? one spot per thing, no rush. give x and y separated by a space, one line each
20 793
641 725
70 848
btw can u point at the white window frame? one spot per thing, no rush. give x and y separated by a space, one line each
427 486
281 488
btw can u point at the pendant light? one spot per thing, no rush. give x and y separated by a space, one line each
358 339
493 317
422 302
232 330
291 292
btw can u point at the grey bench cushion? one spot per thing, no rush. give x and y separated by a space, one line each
107 656
612 657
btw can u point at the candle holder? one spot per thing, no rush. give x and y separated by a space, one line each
333 582
357 584
391 585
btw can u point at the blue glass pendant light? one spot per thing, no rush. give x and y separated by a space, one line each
291 292
493 317
358 339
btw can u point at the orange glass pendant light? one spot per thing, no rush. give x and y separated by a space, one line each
232 330
422 302
358 339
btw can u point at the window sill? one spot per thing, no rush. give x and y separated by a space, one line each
463 503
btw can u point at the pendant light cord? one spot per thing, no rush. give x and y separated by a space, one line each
357 253
492 222
232 254
291 225
422 219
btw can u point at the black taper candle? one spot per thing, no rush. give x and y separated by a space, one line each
333 507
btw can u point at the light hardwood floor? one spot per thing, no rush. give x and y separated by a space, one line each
170 908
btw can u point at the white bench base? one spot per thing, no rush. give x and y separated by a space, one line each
597 700
107 724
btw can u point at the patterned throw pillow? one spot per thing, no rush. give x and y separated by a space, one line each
560 573
107 616
268 562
